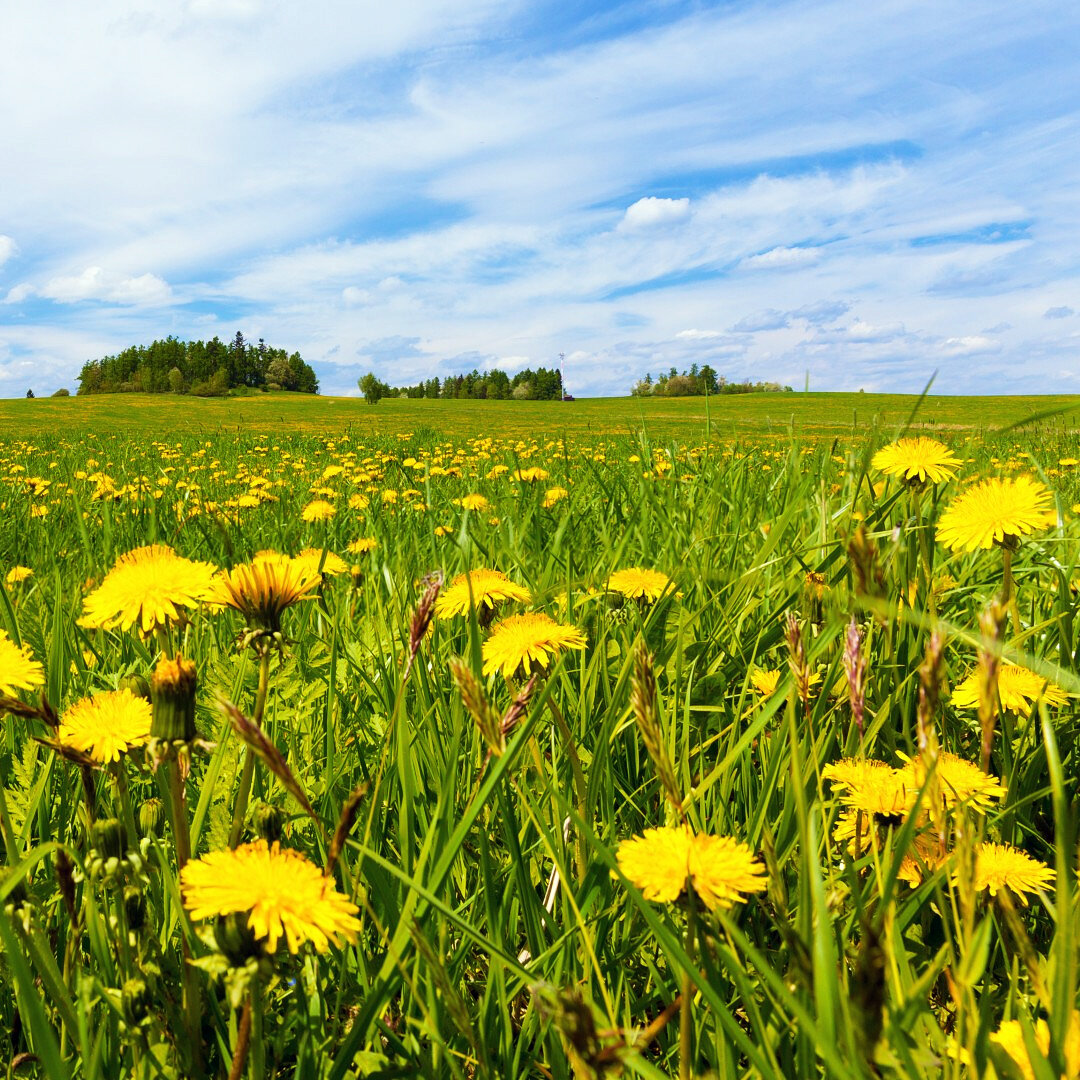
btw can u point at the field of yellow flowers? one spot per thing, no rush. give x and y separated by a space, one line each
405 756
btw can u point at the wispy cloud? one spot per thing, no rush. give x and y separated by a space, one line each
471 182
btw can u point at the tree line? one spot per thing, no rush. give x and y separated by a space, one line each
204 368
543 384
699 381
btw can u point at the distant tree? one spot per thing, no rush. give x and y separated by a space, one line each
219 384
280 374
62 392
29 393
176 380
373 389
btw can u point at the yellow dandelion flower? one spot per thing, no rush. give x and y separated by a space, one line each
917 460
960 782
1002 866
530 475
106 725
481 588
525 641
870 786
282 892
554 495
18 668
331 564
1010 1037
318 510
766 680
722 870
719 869
18 574
658 862
1018 689
358 501
263 588
636 583
996 512
443 530
150 586
363 545
474 502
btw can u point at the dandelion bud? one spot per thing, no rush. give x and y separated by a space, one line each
134 907
172 691
152 817
268 822
134 1001
356 572
65 878
235 938
138 686
108 838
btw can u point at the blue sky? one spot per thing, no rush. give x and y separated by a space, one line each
854 194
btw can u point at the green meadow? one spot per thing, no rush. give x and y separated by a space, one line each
555 741
807 413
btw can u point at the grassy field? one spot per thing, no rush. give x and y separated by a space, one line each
663 417
763 648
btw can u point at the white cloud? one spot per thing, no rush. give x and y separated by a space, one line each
697 335
18 293
650 211
8 248
782 258
970 344
95 283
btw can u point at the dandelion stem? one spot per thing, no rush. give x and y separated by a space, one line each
686 1006
243 1040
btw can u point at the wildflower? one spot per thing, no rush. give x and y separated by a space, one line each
522 641
662 861
1010 1037
106 725
18 574
530 475
1017 687
552 496
960 782
318 510
481 588
870 787
996 512
331 563
636 583
474 502
1002 866
363 545
917 460
149 586
18 668
282 893
262 589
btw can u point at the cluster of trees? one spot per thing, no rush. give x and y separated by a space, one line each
205 368
699 381
543 384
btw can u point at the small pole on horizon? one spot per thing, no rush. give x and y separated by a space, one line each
562 378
